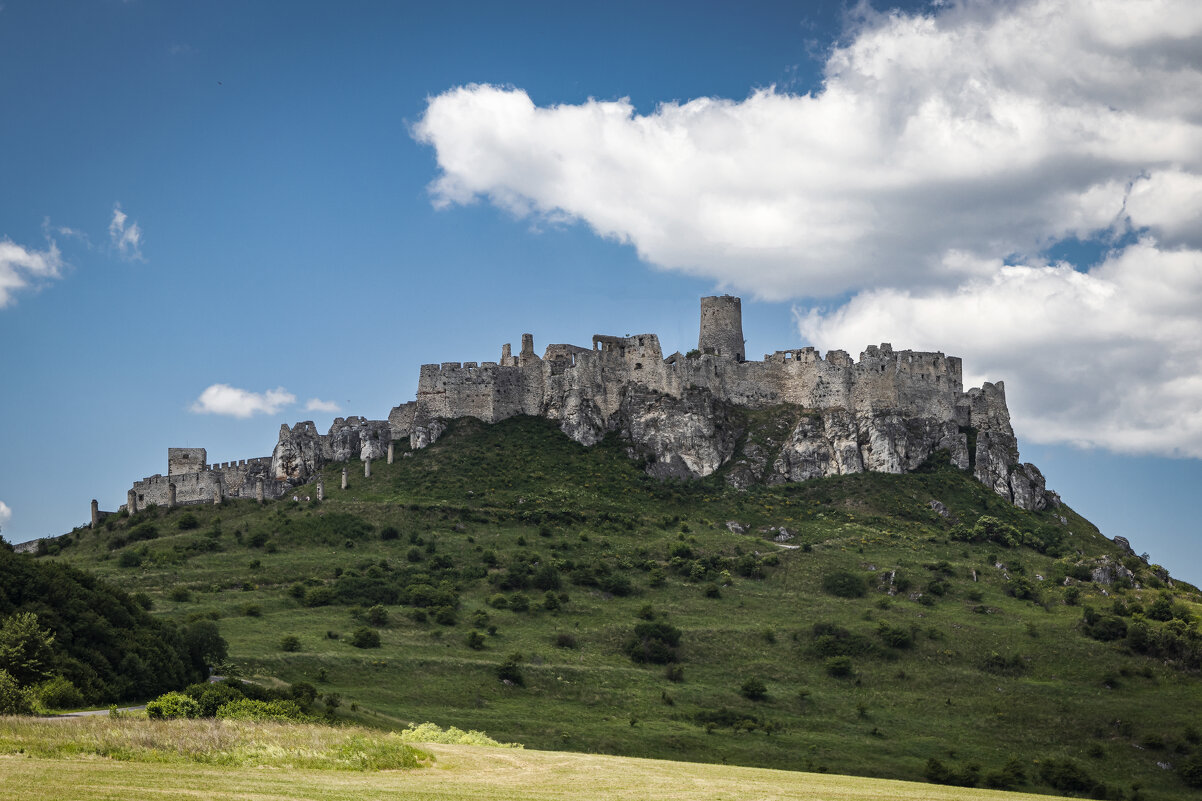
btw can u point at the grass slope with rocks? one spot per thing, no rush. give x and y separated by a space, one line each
509 580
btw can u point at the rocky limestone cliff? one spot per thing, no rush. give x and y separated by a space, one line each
793 416
301 451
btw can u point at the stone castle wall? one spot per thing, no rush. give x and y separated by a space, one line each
887 411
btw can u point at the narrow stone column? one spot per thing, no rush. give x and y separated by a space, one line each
390 452
321 488
95 514
217 493
259 490
344 478
367 468
171 496
131 502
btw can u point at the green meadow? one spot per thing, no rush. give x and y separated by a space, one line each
556 596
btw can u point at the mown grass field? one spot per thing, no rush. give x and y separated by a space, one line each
983 678
450 773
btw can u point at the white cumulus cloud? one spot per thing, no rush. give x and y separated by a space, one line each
234 402
6 513
127 239
316 405
26 268
943 156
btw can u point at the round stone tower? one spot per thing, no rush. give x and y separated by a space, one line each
722 327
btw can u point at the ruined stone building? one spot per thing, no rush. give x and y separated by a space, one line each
887 411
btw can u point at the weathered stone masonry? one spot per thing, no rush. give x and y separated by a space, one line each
887 411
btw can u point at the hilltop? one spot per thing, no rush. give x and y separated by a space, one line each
916 626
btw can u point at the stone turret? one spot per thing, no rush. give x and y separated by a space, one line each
722 327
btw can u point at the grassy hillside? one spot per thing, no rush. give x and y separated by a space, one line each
880 638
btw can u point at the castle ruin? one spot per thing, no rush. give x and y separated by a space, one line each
887 411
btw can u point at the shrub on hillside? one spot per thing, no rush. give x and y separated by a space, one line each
432 733
290 642
654 642
13 699
511 670
895 636
188 522
754 689
839 667
938 773
364 637
172 705
1190 770
247 709
844 584
212 696
1068 777
58 692
319 596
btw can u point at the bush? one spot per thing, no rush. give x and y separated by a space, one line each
519 603
653 642
188 521
1191 771
319 596
180 595
844 584
58 693
212 697
754 690
13 700
129 559
389 533
247 709
938 773
511 670
551 601
172 705
895 636
839 667
364 637
377 615
565 640
1012 665
475 640
1068 777
290 642
432 733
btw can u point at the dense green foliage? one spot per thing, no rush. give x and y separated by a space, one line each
554 595
58 621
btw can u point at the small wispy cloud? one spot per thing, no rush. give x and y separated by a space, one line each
127 239
234 402
26 268
182 49
6 513
316 405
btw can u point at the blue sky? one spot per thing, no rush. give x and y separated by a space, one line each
318 199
